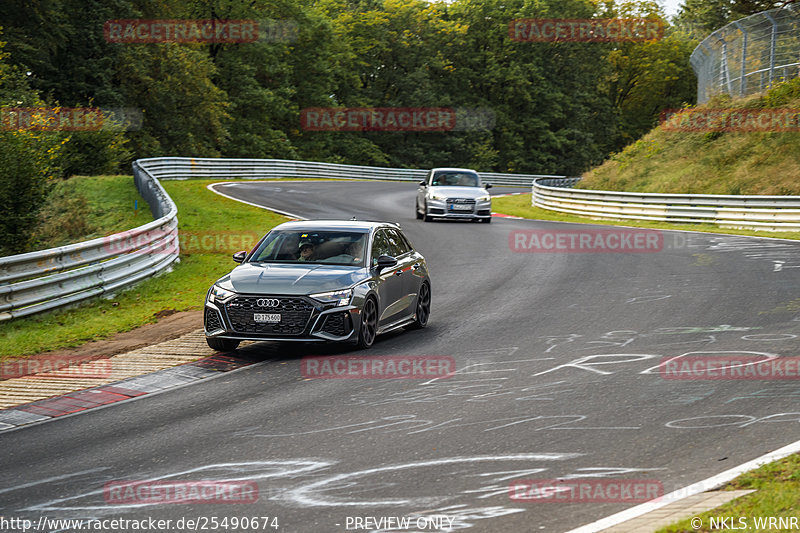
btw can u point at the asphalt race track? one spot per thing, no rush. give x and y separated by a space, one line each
558 379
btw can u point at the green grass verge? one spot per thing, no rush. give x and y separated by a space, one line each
211 229
86 207
520 206
714 162
777 494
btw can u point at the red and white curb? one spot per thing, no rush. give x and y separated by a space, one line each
501 215
117 391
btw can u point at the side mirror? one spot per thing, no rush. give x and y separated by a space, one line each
487 186
423 183
386 261
239 256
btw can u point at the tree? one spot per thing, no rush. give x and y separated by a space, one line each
183 111
701 17
28 161
61 42
647 77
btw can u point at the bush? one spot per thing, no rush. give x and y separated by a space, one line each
28 165
94 153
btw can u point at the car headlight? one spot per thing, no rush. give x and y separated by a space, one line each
339 298
484 198
438 197
218 294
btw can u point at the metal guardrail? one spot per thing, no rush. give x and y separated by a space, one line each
749 55
776 213
47 279
188 168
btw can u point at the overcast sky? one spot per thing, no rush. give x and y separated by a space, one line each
671 6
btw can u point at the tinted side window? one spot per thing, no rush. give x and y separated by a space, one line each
380 246
396 242
406 241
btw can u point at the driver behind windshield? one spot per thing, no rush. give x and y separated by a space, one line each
322 247
352 254
356 250
306 251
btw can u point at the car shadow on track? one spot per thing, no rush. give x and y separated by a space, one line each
287 351
266 350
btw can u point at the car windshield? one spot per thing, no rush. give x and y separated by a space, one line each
317 247
455 179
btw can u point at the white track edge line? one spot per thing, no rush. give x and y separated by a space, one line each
600 222
211 188
685 492
707 484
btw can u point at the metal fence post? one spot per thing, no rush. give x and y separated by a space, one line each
711 59
773 39
743 69
725 76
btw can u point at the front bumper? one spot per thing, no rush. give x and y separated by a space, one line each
448 209
302 319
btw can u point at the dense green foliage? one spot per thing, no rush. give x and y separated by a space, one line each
558 107
27 163
701 17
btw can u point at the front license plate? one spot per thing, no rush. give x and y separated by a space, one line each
269 318
460 207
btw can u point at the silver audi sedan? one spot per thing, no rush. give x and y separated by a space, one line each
453 193
322 280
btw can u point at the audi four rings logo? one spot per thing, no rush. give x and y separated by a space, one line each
268 302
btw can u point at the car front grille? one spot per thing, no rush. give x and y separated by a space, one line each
294 312
469 201
454 206
212 320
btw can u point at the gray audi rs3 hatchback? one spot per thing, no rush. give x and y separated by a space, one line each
321 280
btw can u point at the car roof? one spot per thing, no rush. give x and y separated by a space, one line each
453 169
336 225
